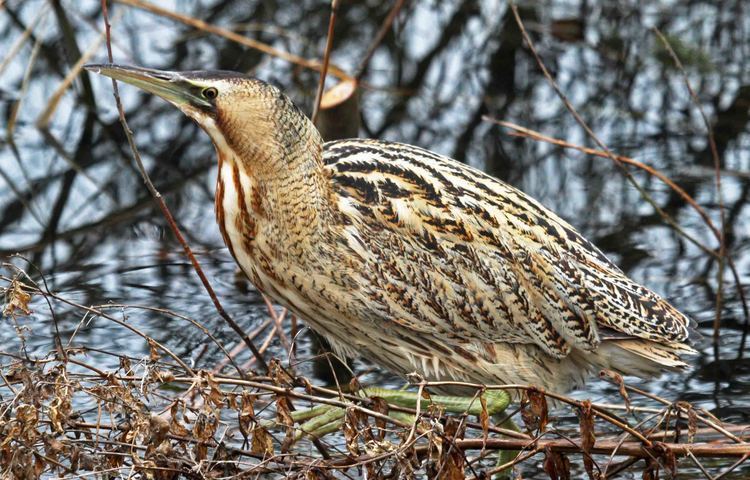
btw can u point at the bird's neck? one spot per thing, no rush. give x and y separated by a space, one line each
273 183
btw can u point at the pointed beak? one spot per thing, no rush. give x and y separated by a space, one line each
170 86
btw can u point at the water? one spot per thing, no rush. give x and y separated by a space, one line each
73 205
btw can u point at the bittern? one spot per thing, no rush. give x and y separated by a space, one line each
408 258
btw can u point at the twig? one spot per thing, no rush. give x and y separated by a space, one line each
16 106
702 419
719 194
228 34
630 449
16 47
733 467
278 319
500 468
166 311
326 58
100 313
722 257
526 132
596 409
241 346
58 339
700 465
417 414
384 28
168 215
582 123
534 135
42 121
284 391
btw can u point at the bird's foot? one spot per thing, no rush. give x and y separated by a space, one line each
325 419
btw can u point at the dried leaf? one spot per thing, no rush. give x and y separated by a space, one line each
164 376
452 465
588 437
205 426
200 451
315 473
158 430
88 462
484 418
455 459
75 457
16 299
262 442
667 457
284 417
53 447
39 466
381 406
278 374
534 410
246 414
454 428
59 409
215 395
556 465
125 365
651 472
153 350
617 379
27 417
426 395
175 426
354 385
351 431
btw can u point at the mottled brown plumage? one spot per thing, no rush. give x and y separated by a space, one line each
411 259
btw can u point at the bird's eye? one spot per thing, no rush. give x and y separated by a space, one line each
209 93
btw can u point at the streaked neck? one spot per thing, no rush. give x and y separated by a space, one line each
278 182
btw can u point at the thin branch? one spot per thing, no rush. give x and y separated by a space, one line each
719 194
230 35
326 58
166 212
534 135
384 29
569 106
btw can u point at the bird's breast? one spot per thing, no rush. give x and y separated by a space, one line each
239 214
253 235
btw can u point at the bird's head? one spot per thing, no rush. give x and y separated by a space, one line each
246 118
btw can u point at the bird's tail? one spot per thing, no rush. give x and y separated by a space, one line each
643 358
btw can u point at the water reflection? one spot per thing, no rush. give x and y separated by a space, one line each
73 204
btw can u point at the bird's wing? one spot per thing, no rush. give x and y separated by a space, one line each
456 252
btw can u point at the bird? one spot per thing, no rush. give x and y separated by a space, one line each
409 259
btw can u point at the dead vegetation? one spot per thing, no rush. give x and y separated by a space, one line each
156 417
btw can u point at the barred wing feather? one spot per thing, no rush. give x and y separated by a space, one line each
498 266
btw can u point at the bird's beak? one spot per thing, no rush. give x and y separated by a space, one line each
170 86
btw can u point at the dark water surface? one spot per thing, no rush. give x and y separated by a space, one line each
73 204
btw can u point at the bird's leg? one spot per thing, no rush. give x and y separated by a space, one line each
324 419
497 400
505 456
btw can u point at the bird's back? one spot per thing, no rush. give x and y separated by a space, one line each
445 253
